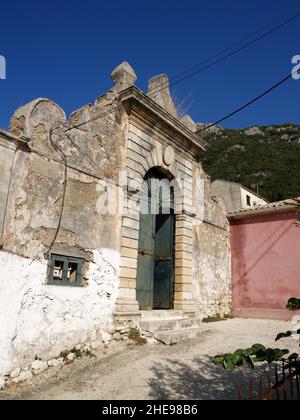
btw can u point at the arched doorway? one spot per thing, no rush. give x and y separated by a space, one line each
156 253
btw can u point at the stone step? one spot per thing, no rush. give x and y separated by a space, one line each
168 324
177 336
161 314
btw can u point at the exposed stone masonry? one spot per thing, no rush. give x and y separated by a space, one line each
125 132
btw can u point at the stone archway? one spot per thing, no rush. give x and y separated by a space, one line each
156 248
144 154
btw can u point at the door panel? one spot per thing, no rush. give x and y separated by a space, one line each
164 262
155 273
144 283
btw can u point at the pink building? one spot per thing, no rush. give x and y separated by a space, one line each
266 259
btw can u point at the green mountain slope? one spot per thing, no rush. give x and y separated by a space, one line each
265 159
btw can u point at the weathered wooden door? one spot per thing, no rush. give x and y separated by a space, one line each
155 274
163 262
144 282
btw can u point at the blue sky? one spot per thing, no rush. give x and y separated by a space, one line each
66 51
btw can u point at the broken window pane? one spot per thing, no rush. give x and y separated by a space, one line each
72 271
58 270
65 271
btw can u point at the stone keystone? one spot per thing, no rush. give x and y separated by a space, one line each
124 75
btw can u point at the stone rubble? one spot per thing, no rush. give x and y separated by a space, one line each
56 362
37 367
70 357
15 373
24 376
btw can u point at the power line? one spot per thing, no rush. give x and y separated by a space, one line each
289 11
104 114
236 50
220 120
285 79
166 84
57 148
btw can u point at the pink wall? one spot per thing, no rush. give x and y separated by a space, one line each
265 264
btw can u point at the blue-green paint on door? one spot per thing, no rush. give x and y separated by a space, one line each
163 262
144 286
155 274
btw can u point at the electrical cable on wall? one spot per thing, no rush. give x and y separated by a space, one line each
161 87
61 152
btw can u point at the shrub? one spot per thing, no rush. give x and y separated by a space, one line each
293 304
134 335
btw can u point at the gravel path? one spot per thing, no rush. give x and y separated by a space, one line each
183 371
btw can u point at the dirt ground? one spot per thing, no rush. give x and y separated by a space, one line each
183 371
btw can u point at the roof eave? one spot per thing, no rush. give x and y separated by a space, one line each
135 94
262 211
12 139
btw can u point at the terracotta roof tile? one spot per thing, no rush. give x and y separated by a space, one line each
278 205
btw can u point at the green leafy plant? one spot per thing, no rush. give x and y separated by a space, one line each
256 353
286 334
77 352
135 335
293 304
63 354
215 318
